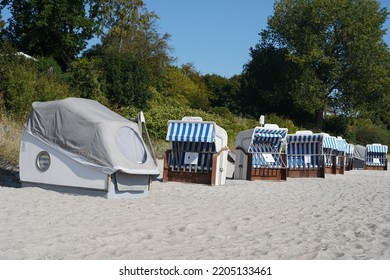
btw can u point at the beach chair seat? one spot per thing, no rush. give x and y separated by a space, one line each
198 152
376 157
304 154
259 154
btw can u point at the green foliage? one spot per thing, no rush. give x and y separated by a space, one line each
267 83
127 80
19 87
131 29
49 66
336 125
23 83
180 90
2 23
50 28
364 132
133 54
281 122
10 136
337 50
157 118
88 79
223 92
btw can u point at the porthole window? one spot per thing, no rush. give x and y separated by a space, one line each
43 161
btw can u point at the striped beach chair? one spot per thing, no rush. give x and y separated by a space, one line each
329 145
376 157
349 148
339 156
198 152
305 156
259 154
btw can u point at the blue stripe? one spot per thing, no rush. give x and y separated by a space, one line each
341 145
304 138
191 132
348 149
262 136
377 148
330 142
299 146
207 133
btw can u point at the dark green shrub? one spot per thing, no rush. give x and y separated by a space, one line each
127 80
88 79
336 125
48 65
368 134
22 83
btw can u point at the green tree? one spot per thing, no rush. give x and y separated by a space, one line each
132 29
134 54
337 48
223 91
51 28
2 23
23 81
127 80
179 90
267 84
88 79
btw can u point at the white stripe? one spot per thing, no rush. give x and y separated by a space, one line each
186 134
174 130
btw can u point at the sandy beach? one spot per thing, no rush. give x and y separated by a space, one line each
340 217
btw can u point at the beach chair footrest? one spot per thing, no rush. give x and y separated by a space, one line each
188 177
310 173
274 174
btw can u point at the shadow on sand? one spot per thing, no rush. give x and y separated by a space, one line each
9 177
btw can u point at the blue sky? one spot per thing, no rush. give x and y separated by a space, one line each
216 35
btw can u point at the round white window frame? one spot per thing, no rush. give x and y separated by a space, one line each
38 164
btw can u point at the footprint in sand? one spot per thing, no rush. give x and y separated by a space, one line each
181 229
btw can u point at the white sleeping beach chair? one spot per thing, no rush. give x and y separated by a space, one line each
259 154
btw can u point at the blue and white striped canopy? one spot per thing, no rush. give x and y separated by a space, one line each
341 145
329 143
377 148
191 131
274 136
349 149
304 138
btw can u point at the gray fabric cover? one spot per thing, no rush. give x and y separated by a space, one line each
91 134
359 154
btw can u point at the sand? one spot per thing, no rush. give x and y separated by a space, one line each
340 217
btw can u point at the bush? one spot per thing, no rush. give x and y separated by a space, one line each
127 80
10 137
281 122
336 125
182 91
23 83
157 118
367 133
49 66
88 79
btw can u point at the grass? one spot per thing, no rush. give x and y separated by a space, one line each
10 136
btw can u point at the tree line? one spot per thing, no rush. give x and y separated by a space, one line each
312 55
